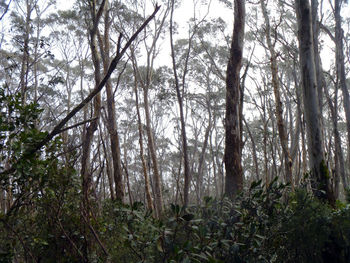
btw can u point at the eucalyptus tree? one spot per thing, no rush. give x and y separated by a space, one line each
89 130
144 166
340 67
233 165
283 136
144 75
111 109
319 170
187 176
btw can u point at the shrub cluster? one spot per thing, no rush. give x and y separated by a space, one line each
263 225
269 224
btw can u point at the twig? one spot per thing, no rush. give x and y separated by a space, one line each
6 10
95 235
77 124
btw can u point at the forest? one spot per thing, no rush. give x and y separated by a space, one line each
174 131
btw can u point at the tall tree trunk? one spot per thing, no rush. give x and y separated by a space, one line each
152 148
187 176
319 169
338 152
278 104
201 162
255 157
25 55
108 168
111 119
89 131
318 64
341 76
144 166
232 158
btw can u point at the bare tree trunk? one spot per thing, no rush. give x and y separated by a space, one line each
319 169
201 162
255 157
338 152
25 55
278 104
111 119
152 148
232 158
144 166
339 34
125 166
108 168
187 175
89 131
318 64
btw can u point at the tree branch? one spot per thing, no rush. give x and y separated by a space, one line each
6 10
57 129
77 124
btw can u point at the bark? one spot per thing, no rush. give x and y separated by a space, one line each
89 131
144 166
255 157
215 174
111 118
319 169
152 149
201 162
318 64
25 55
187 176
339 157
232 158
341 75
278 104
108 169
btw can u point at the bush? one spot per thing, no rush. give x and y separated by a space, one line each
263 225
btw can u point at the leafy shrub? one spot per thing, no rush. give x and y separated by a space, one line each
264 225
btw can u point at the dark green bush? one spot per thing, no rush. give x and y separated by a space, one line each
263 225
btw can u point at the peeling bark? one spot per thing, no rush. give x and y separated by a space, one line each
232 158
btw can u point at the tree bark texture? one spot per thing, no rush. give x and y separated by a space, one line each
144 166
25 55
318 64
111 118
341 75
319 170
152 149
232 158
339 162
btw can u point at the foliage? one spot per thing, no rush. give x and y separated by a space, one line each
45 191
265 225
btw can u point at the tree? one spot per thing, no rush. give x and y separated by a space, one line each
341 75
319 170
180 101
278 104
111 111
232 158
144 166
